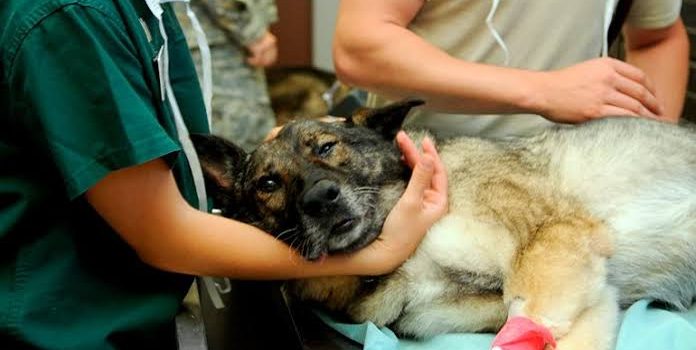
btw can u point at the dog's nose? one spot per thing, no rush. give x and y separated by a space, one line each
318 198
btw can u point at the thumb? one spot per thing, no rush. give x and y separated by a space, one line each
421 178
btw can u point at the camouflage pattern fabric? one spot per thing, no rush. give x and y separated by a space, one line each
241 108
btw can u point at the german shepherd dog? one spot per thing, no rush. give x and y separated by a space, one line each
563 227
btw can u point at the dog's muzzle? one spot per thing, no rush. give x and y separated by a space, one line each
321 198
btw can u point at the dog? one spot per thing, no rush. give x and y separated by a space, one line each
564 227
308 92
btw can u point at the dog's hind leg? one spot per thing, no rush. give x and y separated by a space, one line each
559 274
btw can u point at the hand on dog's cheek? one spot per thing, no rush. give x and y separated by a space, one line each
409 152
423 203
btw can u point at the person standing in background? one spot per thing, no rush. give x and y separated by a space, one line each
241 47
500 68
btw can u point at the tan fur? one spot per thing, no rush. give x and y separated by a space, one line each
515 216
563 227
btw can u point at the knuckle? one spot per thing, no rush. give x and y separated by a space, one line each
592 112
641 76
608 76
606 63
606 93
587 112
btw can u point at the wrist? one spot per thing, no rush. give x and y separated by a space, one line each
368 261
533 98
343 265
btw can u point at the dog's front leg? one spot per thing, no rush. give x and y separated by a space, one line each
595 327
558 280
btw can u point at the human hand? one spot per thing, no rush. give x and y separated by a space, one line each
264 51
273 133
423 203
597 88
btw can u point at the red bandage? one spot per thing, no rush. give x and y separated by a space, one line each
521 333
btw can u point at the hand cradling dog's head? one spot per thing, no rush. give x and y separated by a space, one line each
321 187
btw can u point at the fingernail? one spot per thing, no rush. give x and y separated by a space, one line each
427 163
399 136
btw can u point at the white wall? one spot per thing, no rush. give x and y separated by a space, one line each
323 26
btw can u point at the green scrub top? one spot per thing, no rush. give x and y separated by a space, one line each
80 97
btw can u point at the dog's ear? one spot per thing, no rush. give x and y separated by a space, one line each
386 120
222 163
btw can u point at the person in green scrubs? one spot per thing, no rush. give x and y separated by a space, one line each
99 234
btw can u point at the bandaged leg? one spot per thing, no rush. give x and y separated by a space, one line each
559 275
596 327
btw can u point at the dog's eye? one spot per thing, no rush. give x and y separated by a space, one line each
267 184
325 149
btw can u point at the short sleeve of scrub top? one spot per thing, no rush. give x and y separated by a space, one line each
89 101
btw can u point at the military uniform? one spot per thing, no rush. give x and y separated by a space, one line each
241 108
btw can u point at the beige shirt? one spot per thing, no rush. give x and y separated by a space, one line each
538 34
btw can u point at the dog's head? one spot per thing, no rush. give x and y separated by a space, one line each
321 187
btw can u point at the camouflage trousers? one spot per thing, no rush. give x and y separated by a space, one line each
241 108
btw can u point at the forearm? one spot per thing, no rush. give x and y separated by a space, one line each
144 206
380 54
202 244
375 50
666 62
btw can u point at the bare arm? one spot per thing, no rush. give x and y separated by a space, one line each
143 204
663 54
374 49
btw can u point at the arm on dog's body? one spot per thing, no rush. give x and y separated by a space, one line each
646 48
372 37
143 204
